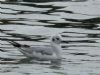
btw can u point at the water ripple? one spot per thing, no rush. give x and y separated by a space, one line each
33 23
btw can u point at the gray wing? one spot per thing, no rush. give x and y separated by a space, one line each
47 50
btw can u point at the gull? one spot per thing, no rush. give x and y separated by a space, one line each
44 53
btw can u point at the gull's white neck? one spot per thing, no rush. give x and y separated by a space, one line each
56 49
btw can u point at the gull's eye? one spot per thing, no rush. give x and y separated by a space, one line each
53 39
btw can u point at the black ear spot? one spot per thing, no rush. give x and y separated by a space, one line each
57 38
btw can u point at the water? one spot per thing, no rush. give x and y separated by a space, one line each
34 23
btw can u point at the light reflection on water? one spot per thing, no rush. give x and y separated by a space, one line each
34 23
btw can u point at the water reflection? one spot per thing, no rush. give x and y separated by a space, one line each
34 23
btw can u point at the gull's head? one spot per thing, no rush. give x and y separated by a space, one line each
56 39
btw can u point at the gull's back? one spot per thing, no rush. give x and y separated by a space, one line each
44 50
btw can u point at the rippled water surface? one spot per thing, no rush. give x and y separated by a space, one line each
33 24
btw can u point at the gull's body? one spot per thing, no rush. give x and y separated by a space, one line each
51 53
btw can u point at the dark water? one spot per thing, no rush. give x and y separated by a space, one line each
33 24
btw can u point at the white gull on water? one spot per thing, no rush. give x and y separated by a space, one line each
46 53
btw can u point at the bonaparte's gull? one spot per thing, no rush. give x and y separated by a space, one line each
48 53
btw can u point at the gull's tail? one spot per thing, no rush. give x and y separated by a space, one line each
15 44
